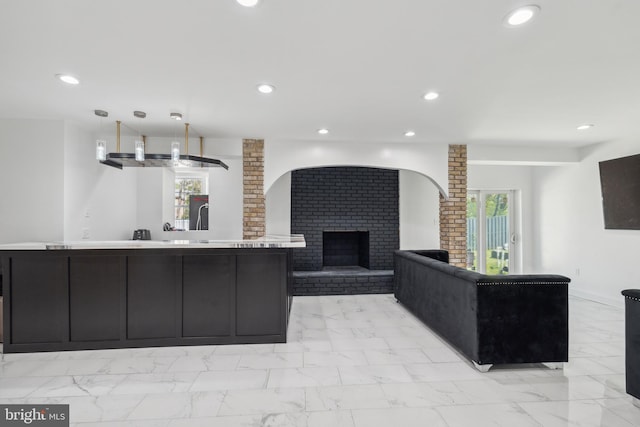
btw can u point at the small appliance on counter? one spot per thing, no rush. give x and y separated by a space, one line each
142 234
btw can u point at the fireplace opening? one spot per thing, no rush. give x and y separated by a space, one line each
345 249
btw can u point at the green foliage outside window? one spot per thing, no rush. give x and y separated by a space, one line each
497 205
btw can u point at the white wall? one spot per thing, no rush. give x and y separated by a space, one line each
155 191
419 212
507 155
570 228
225 198
519 178
31 172
99 201
278 206
50 167
56 188
427 159
149 195
418 215
418 205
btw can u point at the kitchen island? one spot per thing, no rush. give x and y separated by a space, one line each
117 294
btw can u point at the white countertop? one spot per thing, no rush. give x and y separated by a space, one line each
279 241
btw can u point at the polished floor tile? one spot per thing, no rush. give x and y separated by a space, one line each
491 415
350 361
405 417
346 397
247 402
303 377
576 413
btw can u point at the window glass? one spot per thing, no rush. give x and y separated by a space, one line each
187 185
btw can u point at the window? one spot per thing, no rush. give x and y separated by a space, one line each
188 184
492 236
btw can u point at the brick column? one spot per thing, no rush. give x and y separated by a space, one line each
453 211
253 209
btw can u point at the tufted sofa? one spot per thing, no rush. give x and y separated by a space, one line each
489 319
632 341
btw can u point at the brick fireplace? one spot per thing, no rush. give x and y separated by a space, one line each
345 249
350 218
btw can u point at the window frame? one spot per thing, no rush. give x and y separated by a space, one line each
203 177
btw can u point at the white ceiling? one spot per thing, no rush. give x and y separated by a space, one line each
357 67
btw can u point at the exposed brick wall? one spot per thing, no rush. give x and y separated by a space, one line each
309 284
453 212
345 199
253 209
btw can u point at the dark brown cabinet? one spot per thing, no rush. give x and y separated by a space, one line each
95 285
207 295
38 300
151 296
116 298
261 288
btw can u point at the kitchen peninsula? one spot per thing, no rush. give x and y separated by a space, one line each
116 294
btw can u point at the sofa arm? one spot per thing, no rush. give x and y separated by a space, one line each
632 340
523 321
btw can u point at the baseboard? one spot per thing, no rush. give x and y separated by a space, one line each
615 302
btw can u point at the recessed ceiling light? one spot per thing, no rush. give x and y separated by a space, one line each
585 126
67 78
521 15
140 114
323 131
176 116
248 3
409 133
265 88
430 96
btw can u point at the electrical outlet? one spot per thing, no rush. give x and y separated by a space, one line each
85 233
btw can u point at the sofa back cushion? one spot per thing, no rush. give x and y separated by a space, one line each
437 254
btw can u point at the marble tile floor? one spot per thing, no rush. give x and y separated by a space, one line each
351 361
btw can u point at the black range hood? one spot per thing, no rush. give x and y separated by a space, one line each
120 160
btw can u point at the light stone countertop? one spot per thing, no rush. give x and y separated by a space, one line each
272 241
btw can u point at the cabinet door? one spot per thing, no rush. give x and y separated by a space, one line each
206 295
261 293
152 283
39 299
94 293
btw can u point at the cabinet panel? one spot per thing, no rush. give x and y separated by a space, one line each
38 299
94 295
206 295
151 296
261 287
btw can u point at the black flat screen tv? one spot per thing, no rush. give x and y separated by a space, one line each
620 184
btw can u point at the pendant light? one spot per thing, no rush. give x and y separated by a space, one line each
101 144
139 150
101 150
175 151
175 145
139 144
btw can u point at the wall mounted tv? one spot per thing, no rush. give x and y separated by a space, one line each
620 183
